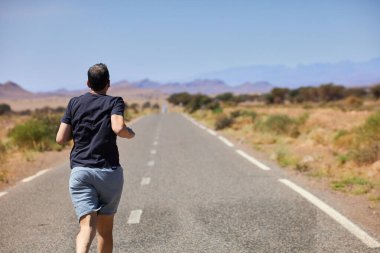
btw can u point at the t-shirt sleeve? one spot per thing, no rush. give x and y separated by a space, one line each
118 107
67 116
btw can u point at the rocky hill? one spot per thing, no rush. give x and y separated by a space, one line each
12 90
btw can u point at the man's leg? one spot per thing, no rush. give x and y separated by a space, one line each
105 239
87 232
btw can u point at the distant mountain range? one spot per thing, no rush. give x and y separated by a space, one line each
346 72
13 90
205 86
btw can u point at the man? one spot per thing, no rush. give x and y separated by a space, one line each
93 121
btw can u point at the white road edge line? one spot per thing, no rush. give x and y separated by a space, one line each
3 193
134 216
227 142
346 223
194 122
212 132
252 160
28 179
145 181
202 126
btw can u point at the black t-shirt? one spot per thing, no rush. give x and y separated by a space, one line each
94 141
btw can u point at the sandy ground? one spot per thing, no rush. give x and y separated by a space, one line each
21 165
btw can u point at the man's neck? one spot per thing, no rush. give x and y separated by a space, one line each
101 92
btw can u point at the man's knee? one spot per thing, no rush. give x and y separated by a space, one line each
105 225
88 222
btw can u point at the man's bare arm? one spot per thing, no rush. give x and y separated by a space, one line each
64 133
119 127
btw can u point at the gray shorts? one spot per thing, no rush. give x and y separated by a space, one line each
96 190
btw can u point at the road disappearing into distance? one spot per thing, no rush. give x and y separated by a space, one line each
187 189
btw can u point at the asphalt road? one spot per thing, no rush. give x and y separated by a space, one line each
184 191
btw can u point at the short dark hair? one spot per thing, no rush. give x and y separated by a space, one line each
98 76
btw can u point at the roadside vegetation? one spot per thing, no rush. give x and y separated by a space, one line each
29 133
330 132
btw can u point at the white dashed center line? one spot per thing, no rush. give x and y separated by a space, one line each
145 181
35 176
3 193
153 151
155 143
134 216
252 160
346 223
150 163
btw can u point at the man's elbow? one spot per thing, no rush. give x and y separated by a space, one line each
60 140
117 129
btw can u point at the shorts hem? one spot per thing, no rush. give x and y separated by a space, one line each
106 213
80 215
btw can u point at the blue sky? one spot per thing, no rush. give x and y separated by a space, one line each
46 45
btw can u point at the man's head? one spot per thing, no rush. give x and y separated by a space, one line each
98 77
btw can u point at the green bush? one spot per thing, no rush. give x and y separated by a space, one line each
252 114
182 98
245 113
3 159
365 148
375 90
278 124
214 106
37 133
4 108
134 107
354 184
223 121
197 102
235 114
3 153
146 105
225 97
156 106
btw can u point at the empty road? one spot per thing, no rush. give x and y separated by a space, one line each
186 190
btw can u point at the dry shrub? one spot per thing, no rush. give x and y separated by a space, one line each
367 154
37 133
344 139
223 121
244 113
319 136
278 124
353 102
366 148
3 158
353 184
